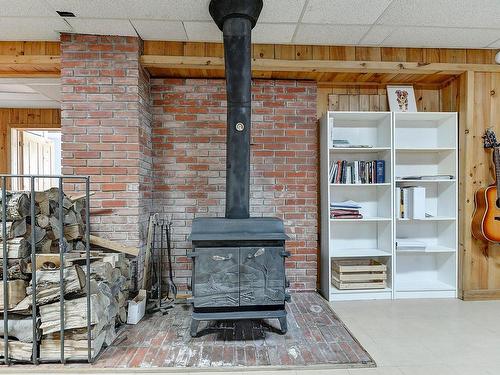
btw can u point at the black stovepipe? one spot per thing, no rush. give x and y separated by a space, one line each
236 18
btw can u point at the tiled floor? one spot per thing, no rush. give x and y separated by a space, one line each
426 336
315 337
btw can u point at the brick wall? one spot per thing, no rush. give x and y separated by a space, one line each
106 130
189 131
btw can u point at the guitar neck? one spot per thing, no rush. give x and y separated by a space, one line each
496 160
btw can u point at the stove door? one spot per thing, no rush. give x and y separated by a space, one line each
216 277
262 276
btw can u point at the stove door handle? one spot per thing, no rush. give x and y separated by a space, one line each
258 253
220 257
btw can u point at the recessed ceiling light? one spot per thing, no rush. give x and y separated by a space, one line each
63 13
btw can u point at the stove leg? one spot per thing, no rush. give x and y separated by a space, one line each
194 327
283 324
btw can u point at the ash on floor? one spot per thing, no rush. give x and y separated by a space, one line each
315 336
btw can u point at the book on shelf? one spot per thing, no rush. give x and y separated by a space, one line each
411 202
344 143
346 204
357 172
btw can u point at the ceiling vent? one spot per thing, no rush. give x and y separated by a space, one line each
65 14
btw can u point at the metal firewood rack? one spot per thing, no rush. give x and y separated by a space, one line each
35 359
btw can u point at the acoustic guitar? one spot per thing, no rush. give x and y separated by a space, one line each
486 218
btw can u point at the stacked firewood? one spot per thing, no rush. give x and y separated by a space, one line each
109 274
109 286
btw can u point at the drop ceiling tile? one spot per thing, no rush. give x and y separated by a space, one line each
458 13
160 29
101 26
344 11
495 44
281 11
203 31
377 35
330 34
32 28
273 33
441 37
26 8
152 9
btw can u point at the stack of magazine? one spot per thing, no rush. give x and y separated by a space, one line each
357 172
345 210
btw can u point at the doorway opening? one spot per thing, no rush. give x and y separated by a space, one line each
35 152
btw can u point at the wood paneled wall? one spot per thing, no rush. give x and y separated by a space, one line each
28 118
30 48
357 98
479 109
310 52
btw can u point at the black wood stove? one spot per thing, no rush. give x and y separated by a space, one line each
238 261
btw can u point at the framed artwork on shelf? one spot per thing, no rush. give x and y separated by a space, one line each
401 99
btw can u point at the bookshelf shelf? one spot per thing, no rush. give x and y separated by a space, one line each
361 185
426 181
411 144
348 291
425 149
435 249
361 253
362 150
435 218
363 219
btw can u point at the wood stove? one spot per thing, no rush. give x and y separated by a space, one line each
238 270
238 261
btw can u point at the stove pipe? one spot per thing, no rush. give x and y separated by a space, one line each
236 19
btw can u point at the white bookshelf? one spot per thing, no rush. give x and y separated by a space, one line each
371 236
426 144
411 144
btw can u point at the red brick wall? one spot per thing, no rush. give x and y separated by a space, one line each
189 163
106 130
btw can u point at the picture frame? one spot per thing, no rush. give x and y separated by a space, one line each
401 99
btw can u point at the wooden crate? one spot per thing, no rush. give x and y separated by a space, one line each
358 274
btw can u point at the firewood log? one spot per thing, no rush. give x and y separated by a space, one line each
18 350
17 269
16 248
100 271
42 220
21 329
75 313
50 349
39 233
16 292
17 205
14 229
73 231
48 284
